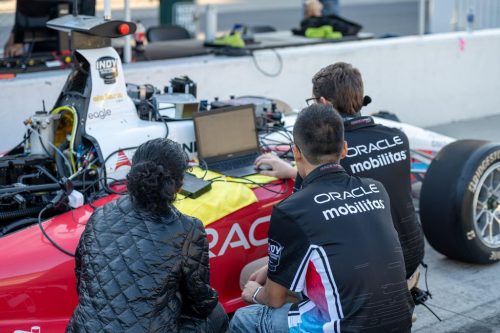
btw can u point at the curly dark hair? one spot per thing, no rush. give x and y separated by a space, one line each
157 174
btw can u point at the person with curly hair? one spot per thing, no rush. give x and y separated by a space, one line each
141 265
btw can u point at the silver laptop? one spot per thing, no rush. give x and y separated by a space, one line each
227 139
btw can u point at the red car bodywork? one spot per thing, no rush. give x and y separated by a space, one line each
37 281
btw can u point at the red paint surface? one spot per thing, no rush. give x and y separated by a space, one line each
38 284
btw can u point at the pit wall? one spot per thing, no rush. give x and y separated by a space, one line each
425 80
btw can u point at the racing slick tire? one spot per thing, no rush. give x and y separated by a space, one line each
459 201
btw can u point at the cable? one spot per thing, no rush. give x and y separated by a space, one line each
280 61
251 182
428 308
50 144
57 246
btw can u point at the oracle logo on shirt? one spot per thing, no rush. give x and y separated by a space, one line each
274 250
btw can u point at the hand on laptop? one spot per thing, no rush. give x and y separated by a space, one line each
280 169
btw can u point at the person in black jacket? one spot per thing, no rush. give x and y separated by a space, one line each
375 151
141 265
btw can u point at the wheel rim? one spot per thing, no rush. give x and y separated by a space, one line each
487 207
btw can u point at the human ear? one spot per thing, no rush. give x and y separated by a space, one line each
343 153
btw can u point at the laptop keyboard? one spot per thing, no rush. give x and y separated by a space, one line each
234 163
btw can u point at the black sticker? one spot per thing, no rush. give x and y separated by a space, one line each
274 250
108 69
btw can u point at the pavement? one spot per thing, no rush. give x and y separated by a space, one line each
465 296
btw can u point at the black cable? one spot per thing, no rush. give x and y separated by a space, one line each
46 173
251 182
280 61
428 308
57 246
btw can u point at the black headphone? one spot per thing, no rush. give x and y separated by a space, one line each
367 100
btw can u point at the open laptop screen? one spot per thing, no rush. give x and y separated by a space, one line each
226 132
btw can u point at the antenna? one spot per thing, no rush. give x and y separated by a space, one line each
75 7
107 10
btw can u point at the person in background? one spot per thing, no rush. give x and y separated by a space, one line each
312 8
330 7
334 242
141 265
31 17
317 8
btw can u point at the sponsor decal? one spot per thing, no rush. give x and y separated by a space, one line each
495 255
354 193
102 114
471 235
107 97
34 329
236 237
489 160
122 160
275 250
108 69
356 207
382 159
380 145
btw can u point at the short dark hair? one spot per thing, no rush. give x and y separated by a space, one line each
342 85
156 175
319 134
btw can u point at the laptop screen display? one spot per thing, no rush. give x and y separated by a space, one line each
226 132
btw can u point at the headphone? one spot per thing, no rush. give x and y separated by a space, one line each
367 100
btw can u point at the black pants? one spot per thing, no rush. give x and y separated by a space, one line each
216 322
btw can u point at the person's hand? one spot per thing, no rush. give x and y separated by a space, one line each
249 290
280 168
13 50
259 276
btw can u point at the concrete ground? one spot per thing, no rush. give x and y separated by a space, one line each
465 296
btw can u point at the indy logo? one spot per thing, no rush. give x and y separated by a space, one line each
275 249
108 69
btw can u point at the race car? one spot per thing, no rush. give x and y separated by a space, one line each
75 157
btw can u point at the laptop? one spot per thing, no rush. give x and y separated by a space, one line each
227 139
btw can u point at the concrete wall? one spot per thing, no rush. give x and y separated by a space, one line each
425 80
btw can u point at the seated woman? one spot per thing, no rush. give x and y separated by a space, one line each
141 265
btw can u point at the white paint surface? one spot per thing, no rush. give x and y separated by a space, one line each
425 80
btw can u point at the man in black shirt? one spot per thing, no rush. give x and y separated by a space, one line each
375 151
334 242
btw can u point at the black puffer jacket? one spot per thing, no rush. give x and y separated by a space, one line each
138 272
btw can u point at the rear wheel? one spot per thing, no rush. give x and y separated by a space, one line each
460 201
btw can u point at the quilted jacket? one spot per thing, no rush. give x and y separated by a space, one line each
139 272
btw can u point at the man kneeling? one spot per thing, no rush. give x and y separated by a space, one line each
333 242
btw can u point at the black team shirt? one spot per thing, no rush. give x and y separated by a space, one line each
334 241
383 153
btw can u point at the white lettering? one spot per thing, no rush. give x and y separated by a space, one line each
251 233
213 242
240 241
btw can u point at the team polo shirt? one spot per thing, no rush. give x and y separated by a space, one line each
334 241
383 153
